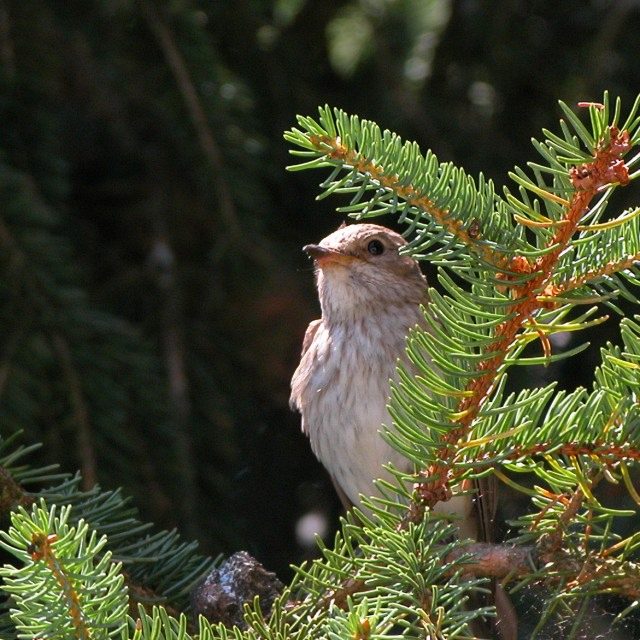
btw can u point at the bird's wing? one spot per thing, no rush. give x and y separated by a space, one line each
301 374
309 335
344 499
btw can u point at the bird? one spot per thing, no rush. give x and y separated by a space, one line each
371 295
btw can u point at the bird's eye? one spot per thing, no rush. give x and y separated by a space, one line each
375 247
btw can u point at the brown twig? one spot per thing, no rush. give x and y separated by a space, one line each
552 542
561 288
606 453
340 596
488 560
12 495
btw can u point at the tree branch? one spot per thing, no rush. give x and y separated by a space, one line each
587 179
337 151
197 113
489 560
608 269
505 561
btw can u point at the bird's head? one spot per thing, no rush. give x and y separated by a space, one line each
360 270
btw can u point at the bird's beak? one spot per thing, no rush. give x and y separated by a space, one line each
324 256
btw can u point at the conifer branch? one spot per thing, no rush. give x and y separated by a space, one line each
556 289
549 565
588 179
470 235
552 541
542 563
65 573
158 567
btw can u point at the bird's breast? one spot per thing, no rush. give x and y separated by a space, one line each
345 399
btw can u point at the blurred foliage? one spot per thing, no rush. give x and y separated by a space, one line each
153 293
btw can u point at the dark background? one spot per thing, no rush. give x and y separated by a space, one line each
153 291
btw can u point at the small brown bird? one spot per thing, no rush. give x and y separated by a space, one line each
370 296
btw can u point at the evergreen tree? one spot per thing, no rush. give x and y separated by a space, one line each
514 271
